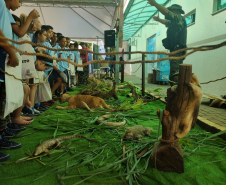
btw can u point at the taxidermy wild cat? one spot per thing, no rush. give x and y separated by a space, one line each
191 112
75 101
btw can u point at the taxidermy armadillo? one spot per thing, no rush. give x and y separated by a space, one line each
43 147
136 132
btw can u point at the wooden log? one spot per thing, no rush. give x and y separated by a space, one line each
167 154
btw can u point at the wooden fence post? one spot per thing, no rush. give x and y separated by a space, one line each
143 75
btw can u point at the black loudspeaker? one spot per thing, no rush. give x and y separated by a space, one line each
109 37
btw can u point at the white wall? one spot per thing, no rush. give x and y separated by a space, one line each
208 29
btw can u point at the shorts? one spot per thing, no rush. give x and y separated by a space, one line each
66 72
54 75
2 64
68 75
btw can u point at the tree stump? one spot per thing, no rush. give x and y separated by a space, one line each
167 154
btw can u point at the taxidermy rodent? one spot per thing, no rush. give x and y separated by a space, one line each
136 132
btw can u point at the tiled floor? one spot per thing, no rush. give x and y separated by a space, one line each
215 115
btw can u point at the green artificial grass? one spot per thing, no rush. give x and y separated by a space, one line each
107 160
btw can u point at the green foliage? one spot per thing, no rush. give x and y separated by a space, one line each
139 92
127 106
155 90
125 83
106 159
123 93
137 105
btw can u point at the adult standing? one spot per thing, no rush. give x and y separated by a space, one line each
176 33
83 75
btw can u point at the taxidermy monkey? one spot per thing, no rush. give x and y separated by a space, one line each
188 122
136 132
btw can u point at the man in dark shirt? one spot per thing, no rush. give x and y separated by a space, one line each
176 33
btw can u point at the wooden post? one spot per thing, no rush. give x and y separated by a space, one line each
117 59
122 68
168 155
122 73
143 75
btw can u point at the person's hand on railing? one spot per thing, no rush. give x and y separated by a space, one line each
55 68
13 59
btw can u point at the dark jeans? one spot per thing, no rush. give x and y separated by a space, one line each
7 119
83 75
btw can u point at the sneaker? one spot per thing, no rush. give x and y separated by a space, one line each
69 89
4 157
29 112
31 115
57 93
42 109
15 127
36 111
37 105
6 144
8 133
44 106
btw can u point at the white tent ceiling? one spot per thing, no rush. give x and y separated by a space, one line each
78 19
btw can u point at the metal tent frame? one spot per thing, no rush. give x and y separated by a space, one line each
137 14
78 19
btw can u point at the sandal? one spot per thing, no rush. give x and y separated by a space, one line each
24 123
27 118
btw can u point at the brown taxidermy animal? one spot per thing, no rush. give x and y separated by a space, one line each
188 122
97 82
95 88
75 101
43 147
136 132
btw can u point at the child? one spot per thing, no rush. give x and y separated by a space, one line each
54 40
83 75
20 32
41 36
28 69
73 81
17 119
43 63
5 31
63 66
43 93
49 32
54 77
